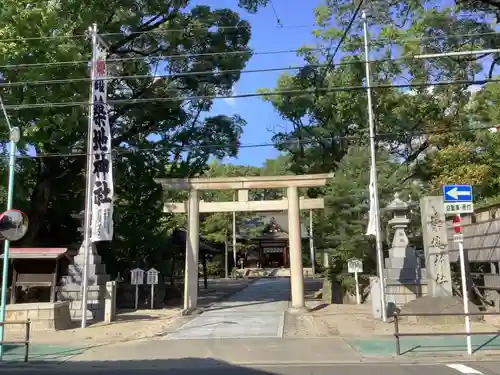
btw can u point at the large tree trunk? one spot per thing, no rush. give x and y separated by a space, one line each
39 202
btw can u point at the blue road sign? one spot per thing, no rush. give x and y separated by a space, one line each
457 193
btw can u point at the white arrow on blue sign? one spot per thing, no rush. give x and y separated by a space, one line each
457 193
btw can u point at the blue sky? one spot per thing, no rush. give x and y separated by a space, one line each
266 36
261 118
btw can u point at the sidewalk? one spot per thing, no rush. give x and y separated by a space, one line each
271 350
384 346
128 326
293 351
234 351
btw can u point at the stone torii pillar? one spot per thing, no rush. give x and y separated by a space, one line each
192 253
295 244
293 204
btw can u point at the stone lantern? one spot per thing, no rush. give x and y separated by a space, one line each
402 266
399 223
403 261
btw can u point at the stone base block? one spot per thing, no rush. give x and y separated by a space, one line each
401 263
436 305
398 294
43 315
404 274
96 296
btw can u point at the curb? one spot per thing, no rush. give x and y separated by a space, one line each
85 366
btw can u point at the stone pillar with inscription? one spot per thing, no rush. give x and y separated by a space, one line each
402 268
435 240
71 288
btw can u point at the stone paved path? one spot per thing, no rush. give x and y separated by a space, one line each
256 311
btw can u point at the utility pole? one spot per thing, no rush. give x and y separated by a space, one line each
14 136
373 173
235 265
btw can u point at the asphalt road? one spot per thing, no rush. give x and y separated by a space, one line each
207 366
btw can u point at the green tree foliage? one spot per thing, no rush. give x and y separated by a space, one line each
151 43
217 227
427 134
326 124
343 226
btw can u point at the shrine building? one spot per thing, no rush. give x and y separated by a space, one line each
270 247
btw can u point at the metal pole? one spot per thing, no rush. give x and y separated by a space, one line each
373 166
234 235
136 296
88 193
358 297
14 134
311 244
226 260
152 296
465 294
456 53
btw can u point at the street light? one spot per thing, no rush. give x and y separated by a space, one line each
14 136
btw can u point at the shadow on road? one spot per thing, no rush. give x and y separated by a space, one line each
185 366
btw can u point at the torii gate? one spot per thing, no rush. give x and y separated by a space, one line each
292 203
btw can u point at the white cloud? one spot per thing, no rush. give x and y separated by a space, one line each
231 101
474 88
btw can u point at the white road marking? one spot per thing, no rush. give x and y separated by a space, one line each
464 369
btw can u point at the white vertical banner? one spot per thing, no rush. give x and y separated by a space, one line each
102 164
371 230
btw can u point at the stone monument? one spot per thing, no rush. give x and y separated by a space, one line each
435 240
71 289
404 274
439 298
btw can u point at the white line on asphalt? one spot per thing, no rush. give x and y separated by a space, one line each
464 369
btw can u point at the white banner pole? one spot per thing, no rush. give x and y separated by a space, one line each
89 182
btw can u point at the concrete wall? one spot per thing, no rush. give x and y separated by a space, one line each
43 315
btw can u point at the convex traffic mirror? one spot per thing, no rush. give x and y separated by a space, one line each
13 225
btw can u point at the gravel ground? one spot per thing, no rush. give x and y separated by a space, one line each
356 320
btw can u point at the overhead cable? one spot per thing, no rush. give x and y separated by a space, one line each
330 58
360 137
291 92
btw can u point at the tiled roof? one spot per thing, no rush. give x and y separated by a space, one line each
279 218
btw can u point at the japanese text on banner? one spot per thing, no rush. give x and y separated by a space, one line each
102 171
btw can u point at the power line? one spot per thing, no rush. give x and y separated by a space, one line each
159 31
436 37
209 28
162 31
278 20
297 92
156 58
344 35
200 73
291 142
149 76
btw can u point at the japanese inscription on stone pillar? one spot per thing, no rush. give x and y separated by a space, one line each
435 241
102 174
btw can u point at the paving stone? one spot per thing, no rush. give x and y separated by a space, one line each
256 311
